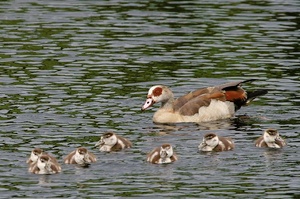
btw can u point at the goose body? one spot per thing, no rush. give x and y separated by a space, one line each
213 142
80 156
270 139
112 142
161 155
202 105
45 165
34 156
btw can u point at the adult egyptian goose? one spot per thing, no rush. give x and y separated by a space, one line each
271 139
202 105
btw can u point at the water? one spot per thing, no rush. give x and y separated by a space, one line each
71 70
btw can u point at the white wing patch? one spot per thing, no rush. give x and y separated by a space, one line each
121 143
105 148
150 159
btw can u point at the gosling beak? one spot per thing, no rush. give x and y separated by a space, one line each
99 143
278 139
202 144
164 154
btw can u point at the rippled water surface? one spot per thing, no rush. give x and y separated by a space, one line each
71 70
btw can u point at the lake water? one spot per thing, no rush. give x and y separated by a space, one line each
71 70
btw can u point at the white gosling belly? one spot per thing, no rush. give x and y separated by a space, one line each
79 159
273 145
105 148
206 148
166 160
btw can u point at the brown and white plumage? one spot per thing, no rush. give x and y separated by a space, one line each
162 154
35 154
112 142
271 139
205 104
80 156
213 142
45 165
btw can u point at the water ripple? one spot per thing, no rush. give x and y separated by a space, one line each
72 70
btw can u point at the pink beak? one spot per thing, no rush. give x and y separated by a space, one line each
149 102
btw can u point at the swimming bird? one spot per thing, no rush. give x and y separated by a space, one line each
213 142
162 154
45 165
202 105
112 142
35 154
80 156
271 139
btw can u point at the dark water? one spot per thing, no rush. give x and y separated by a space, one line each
71 70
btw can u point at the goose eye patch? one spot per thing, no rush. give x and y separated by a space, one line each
157 91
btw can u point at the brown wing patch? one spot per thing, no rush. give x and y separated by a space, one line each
218 148
125 141
92 157
35 169
116 147
280 143
68 159
217 95
260 142
192 107
186 98
174 157
155 158
55 168
236 95
226 141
